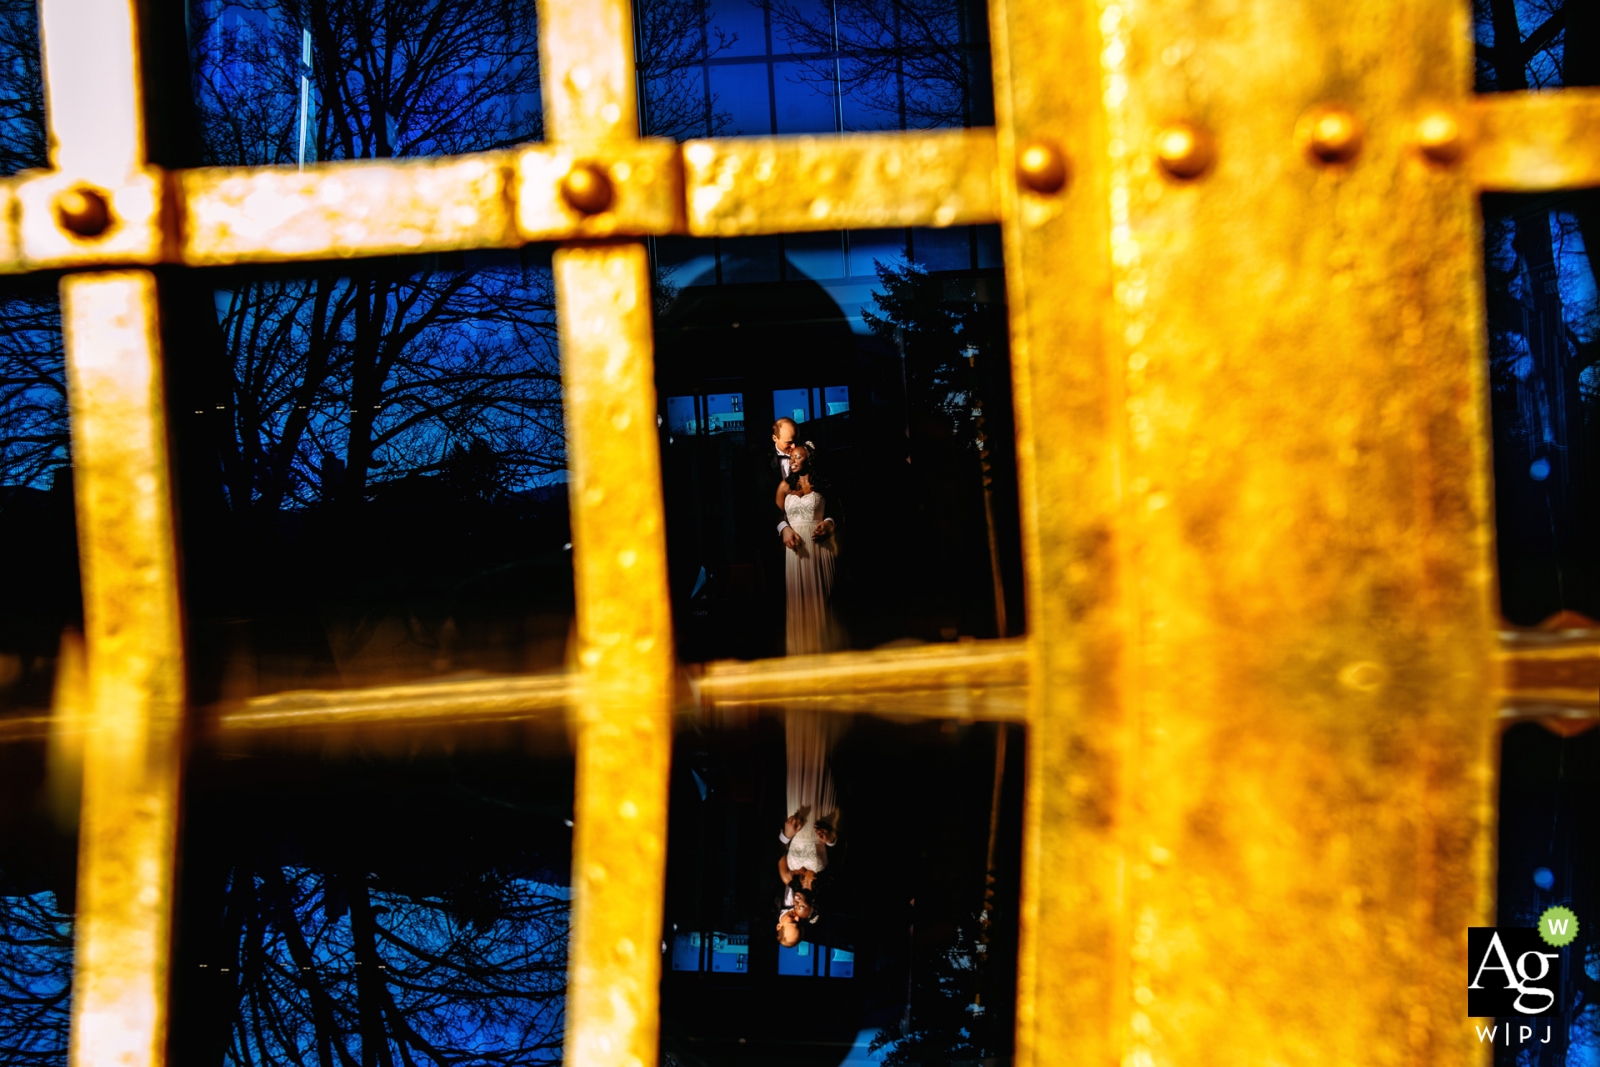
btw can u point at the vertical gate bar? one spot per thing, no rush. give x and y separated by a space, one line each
1284 822
624 735
134 655
1071 972
625 653
92 87
131 752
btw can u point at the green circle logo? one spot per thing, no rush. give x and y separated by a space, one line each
1558 926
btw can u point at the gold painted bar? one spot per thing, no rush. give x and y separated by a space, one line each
624 720
132 748
1262 571
1536 141
743 185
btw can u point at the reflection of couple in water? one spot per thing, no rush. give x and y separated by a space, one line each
812 828
809 537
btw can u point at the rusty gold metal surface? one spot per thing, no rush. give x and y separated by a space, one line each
134 679
240 215
1184 150
85 211
587 74
1544 670
587 189
429 702
1263 684
93 97
43 241
1440 137
646 180
625 659
1535 141
1260 579
745 185
980 680
1331 133
1042 167
625 655
1071 976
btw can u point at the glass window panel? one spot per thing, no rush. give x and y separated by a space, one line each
750 259
802 26
372 472
791 403
990 254
1544 373
856 63
876 369
861 113
724 413
738 28
681 261
805 102
815 255
682 415
344 897
867 249
1549 841
943 249
38 889
280 82
740 91
894 942
43 605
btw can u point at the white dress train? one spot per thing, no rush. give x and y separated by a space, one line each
808 579
809 737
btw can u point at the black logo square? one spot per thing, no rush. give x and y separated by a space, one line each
1511 972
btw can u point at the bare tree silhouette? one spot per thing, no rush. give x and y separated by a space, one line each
916 63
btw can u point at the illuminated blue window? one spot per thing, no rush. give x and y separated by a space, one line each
802 405
724 413
729 953
806 960
681 420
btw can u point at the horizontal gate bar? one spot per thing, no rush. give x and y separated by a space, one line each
725 187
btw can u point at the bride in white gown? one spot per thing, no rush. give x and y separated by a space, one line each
810 566
809 737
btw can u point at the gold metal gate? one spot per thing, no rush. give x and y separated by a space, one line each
1263 676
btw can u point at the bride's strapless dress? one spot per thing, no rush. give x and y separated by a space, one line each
808 741
808 579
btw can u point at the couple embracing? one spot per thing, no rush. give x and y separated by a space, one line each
808 527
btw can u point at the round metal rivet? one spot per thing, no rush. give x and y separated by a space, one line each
1042 167
1439 137
1184 150
587 188
1331 134
84 211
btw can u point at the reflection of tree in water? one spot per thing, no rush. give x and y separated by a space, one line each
350 969
35 979
948 1020
374 912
